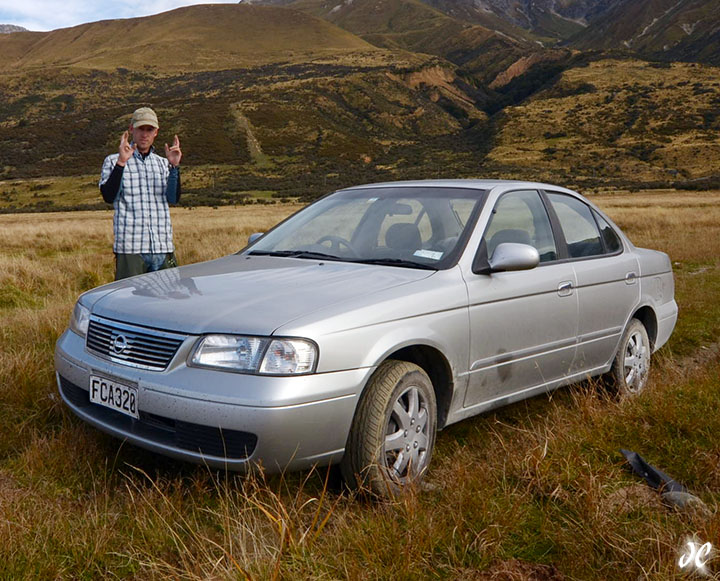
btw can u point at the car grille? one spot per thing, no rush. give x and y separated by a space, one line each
209 441
131 345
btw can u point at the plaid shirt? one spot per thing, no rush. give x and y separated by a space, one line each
142 217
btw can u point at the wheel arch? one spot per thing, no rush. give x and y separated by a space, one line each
646 315
438 369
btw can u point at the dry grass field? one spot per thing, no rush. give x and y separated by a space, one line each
534 491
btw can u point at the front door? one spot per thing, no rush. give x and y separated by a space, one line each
523 323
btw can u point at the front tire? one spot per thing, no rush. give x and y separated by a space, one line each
631 367
393 432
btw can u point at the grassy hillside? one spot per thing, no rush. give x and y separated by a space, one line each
617 122
296 129
204 37
276 100
537 490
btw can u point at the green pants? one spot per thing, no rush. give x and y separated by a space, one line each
131 264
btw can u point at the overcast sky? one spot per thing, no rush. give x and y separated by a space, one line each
52 14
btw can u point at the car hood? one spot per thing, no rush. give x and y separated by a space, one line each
241 294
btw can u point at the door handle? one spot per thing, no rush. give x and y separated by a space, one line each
630 278
565 288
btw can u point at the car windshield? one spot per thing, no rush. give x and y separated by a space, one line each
415 227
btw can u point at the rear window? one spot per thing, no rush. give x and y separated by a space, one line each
578 225
609 236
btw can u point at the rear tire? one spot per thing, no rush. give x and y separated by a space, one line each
631 367
393 432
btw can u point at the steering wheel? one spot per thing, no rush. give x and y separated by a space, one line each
336 242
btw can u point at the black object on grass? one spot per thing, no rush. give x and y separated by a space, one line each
654 477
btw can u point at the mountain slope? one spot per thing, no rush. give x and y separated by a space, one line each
541 18
623 23
297 129
275 100
287 97
619 121
659 29
202 37
414 26
664 29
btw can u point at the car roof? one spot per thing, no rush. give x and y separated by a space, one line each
479 184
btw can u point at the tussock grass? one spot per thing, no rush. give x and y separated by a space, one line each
537 490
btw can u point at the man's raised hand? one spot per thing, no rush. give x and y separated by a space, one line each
125 150
173 154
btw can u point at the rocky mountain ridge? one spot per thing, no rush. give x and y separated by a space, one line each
8 28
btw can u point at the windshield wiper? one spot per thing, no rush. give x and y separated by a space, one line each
321 255
295 254
395 262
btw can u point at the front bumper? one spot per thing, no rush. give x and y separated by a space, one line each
224 420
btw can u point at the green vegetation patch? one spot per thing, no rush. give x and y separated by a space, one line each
11 297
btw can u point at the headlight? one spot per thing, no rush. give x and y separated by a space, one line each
80 319
255 354
230 352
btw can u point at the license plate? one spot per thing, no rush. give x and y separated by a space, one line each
116 396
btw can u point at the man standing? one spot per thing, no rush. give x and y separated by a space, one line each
140 184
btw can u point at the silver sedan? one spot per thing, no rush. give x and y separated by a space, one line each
360 326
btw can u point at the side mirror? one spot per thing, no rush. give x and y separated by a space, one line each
254 236
513 256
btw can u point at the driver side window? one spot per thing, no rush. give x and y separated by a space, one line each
521 217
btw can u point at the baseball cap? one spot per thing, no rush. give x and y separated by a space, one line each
144 116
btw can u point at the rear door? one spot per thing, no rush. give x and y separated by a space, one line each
607 280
